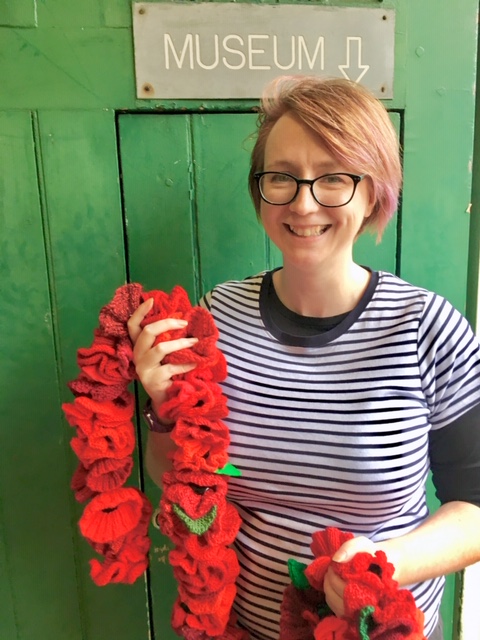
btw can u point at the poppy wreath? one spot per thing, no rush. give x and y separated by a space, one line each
194 511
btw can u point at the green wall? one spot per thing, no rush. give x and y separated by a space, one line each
66 82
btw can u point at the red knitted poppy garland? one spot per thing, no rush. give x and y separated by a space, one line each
195 513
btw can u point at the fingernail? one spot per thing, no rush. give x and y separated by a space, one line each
182 323
340 557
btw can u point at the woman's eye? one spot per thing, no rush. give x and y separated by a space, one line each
335 180
279 178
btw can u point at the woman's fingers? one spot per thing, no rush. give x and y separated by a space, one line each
334 588
155 376
133 324
153 356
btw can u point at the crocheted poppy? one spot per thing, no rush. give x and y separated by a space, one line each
331 628
107 474
204 352
114 315
192 399
116 570
396 617
86 413
95 390
112 514
205 577
79 484
173 305
369 578
196 493
201 447
101 362
213 624
232 632
222 532
324 545
104 442
298 613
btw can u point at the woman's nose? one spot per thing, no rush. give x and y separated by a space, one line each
304 202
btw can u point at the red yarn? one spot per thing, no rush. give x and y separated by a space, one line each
79 484
370 590
111 515
109 473
113 316
194 509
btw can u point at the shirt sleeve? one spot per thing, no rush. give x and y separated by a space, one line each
455 459
449 362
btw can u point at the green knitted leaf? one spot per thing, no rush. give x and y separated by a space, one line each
296 571
200 525
364 622
229 470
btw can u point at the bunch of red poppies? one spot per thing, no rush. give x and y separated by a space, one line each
375 608
195 513
115 521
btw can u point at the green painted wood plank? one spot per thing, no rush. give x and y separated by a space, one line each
231 240
88 13
157 191
8 622
60 68
438 146
40 576
85 223
21 13
156 170
85 239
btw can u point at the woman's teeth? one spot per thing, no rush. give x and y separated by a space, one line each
309 231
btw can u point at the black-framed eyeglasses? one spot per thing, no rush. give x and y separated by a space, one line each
329 190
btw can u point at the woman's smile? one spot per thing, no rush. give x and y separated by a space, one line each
307 232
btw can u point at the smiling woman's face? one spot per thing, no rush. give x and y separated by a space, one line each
308 234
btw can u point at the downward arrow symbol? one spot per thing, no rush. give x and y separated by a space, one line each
354 69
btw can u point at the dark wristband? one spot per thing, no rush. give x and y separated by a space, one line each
153 423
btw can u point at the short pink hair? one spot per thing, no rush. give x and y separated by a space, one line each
352 124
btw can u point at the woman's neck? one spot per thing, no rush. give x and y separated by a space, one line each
321 295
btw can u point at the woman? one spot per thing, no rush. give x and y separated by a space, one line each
345 386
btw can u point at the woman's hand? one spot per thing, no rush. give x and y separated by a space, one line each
333 585
155 376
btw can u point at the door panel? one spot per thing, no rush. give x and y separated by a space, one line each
156 160
37 562
230 239
85 246
189 220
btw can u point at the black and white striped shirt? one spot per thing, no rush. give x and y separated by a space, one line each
333 429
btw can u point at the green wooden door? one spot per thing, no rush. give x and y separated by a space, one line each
189 220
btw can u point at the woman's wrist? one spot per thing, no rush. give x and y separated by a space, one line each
154 423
